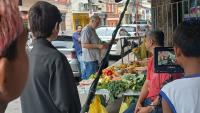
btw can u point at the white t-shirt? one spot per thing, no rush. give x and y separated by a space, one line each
183 95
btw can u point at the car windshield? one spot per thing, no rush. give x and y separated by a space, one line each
104 31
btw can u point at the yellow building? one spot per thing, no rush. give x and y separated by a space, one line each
80 19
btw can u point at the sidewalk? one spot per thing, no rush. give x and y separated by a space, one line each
15 106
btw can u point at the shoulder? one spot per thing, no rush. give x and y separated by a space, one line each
58 55
86 29
74 34
171 85
173 88
55 55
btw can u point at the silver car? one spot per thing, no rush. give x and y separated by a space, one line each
65 45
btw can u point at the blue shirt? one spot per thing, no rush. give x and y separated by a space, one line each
77 45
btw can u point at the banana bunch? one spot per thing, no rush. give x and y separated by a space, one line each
141 51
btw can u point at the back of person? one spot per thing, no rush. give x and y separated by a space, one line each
36 97
185 91
183 95
40 93
51 86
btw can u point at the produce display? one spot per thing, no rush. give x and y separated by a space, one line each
118 79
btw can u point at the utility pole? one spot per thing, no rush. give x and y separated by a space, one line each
137 8
90 6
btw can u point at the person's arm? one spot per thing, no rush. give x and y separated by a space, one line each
93 46
62 87
165 107
143 94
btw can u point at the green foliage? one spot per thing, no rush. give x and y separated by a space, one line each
129 81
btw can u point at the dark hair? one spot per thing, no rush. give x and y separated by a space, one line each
158 37
187 38
43 17
78 26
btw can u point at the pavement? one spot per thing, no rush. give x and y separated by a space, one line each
15 106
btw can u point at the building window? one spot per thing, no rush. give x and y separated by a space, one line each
86 7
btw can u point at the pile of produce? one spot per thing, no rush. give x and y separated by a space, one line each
126 82
119 79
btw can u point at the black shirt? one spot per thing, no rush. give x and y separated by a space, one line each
51 86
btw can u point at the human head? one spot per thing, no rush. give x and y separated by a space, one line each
154 39
44 19
95 21
13 58
79 28
186 39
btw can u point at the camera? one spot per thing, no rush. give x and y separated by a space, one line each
165 61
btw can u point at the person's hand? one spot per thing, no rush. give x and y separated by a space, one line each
105 46
147 109
138 105
102 46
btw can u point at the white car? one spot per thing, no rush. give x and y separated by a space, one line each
105 34
136 30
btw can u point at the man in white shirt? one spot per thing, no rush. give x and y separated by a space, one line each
91 46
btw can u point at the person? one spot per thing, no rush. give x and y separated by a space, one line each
13 37
77 46
91 46
149 96
51 86
182 96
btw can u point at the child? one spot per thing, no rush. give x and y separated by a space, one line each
183 95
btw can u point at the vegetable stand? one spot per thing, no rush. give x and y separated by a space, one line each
119 80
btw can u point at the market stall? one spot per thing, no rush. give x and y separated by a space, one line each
123 79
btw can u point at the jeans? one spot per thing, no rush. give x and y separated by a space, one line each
90 68
146 102
81 65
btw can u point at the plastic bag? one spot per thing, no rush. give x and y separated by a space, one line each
123 107
96 106
125 104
